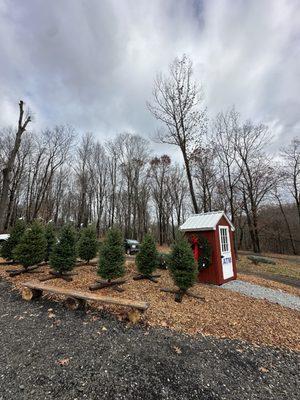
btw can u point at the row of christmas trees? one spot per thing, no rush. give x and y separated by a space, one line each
36 243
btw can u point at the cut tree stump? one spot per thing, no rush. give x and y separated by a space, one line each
76 299
16 272
30 294
101 284
148 277
180 293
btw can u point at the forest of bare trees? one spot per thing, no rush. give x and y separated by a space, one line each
59 175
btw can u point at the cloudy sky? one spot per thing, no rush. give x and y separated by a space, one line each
91 63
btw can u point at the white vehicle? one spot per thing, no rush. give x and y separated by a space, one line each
4 237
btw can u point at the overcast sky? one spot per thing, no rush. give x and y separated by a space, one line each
91 63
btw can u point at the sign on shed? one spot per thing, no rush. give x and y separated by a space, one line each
211 237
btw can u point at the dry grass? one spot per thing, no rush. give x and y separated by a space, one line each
283 267
223 314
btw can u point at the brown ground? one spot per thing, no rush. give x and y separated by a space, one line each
224 313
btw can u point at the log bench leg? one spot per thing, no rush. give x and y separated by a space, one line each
72 303
134 316
30 294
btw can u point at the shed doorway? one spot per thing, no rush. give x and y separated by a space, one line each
226 258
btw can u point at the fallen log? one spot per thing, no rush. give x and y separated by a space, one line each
9 263
16 272
258 259
67 276
147 277
33 286
101 284
180 293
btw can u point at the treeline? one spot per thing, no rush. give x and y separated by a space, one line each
60 176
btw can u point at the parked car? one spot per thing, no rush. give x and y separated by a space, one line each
4 237
131 246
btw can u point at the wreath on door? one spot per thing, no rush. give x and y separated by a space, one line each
202 250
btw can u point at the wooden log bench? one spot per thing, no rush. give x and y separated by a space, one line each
77 300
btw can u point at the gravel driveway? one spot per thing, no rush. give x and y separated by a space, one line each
50 353
261 292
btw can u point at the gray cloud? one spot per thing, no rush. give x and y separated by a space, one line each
92 63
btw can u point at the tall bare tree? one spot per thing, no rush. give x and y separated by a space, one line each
176 103
23 121
291 156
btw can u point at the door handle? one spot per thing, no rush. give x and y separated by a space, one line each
222 256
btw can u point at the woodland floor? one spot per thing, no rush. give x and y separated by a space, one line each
224 314
49 353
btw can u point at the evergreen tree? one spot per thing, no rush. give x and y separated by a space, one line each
88 244
32 246
112 258
16 234
182 263
51 239
63 255
147 258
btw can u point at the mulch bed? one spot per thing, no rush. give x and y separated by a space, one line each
224 314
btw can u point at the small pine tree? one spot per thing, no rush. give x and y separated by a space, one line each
63 255
51 239
112 258
182 263
32 247
16 234
147 258
87 244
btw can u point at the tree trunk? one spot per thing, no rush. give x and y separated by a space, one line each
6 172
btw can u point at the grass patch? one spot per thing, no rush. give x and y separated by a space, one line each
283 268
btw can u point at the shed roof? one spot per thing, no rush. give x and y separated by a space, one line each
205 221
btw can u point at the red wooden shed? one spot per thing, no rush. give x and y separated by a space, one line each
212 231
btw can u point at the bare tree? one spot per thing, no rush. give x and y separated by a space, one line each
159 171
9 164
291 156
176 101
257 174
225 130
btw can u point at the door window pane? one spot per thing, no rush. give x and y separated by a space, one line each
224 240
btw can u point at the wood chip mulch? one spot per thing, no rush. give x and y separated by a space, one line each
224 314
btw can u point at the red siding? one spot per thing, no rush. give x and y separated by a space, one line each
214 274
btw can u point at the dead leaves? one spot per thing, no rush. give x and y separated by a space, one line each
64 362
225 314
263 370
177 349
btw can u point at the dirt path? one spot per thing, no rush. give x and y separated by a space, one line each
50 353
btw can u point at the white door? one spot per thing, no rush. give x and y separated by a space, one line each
227 267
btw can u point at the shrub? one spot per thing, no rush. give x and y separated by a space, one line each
147 258
16 234
63 256
50 238
163 260
32 246
88 244
182 263
112 258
